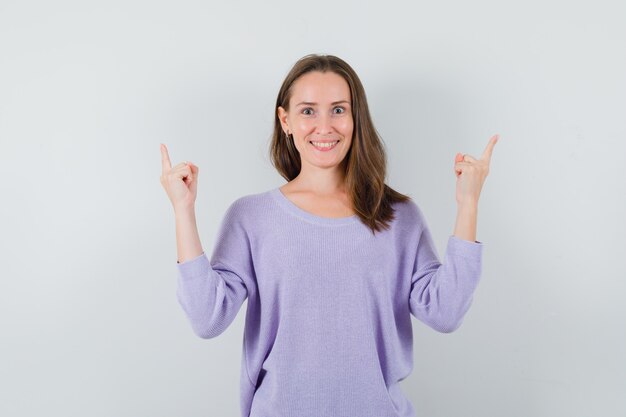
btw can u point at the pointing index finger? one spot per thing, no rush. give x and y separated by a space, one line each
165 159
489 149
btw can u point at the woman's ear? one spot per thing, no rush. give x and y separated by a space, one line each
282 117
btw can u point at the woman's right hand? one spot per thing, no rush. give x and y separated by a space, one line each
180 182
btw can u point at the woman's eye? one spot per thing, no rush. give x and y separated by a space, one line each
341 108
305 110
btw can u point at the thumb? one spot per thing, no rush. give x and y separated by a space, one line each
457 158
194 172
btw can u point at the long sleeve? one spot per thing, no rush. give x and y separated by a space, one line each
441 294
212 292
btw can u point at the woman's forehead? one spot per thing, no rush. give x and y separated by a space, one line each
320 88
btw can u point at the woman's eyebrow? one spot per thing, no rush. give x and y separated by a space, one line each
310 103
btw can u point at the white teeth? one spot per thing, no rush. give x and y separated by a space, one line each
324 145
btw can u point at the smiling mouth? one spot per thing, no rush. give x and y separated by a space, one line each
311 141
323 146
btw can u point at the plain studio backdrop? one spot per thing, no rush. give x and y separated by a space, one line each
88 90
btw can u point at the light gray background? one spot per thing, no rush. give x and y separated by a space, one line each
88 90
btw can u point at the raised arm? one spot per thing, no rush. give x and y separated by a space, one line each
210 292
441 294
181 185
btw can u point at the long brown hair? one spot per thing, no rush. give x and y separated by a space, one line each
365 164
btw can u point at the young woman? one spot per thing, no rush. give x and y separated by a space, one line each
332 263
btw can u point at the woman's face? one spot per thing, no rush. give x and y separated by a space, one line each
319 115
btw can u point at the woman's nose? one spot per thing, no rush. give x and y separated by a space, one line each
325 124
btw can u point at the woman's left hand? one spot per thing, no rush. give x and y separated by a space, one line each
471 174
